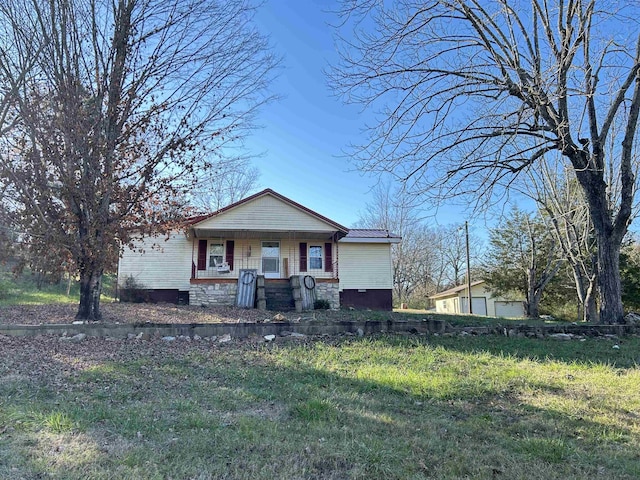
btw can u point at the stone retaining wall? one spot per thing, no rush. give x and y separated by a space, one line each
237 330
545 330
242 330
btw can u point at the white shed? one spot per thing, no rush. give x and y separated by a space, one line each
483 302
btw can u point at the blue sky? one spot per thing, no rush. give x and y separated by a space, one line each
305 133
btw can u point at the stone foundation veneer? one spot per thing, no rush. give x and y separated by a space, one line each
211 294
218 293
329 291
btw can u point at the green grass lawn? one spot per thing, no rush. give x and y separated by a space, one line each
372 408
22 290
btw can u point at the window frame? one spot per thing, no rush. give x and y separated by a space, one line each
211 255
311 257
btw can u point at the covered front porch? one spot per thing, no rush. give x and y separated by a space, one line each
278 260
267 237
275 255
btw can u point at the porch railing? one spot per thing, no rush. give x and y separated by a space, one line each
287 269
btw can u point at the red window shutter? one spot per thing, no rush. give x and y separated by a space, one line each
229 257
202 254
303 257
328 257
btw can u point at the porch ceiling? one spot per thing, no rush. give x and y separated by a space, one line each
264 234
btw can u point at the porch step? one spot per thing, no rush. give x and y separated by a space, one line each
278 295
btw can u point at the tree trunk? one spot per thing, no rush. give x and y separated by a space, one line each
90 289
611 310
586 290
590 311
609 235
532 304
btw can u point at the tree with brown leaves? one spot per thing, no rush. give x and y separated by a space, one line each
125 105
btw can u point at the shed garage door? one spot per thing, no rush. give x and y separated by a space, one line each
509 309
479 305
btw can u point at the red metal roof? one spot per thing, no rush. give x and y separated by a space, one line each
370 233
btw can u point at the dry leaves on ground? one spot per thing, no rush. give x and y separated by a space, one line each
116 312
130 313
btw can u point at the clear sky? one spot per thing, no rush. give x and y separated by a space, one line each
307 130
306 133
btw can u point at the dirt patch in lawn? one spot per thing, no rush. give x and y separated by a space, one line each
169 313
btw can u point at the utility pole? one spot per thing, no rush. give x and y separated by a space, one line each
466 232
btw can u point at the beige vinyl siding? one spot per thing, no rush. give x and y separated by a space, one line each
365 266
163 264
266 213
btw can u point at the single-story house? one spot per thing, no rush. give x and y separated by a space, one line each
483 302
266 251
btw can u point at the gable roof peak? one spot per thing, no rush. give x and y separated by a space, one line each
273 193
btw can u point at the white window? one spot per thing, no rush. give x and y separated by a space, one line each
216 253
315 257
271 259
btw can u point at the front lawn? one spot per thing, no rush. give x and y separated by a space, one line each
25 290
392 407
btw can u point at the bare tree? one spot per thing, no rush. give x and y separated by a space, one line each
439 242
15 64
16 61
561 203
8 233
415 258
469 94
229 182
453 251
128 101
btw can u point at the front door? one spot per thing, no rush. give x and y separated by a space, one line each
271 259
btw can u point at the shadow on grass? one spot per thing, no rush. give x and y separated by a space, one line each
611 352
384 408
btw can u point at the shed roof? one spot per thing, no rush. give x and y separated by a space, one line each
369 235
455 290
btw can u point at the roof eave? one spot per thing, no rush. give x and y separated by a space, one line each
340 229
455 290
392 240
